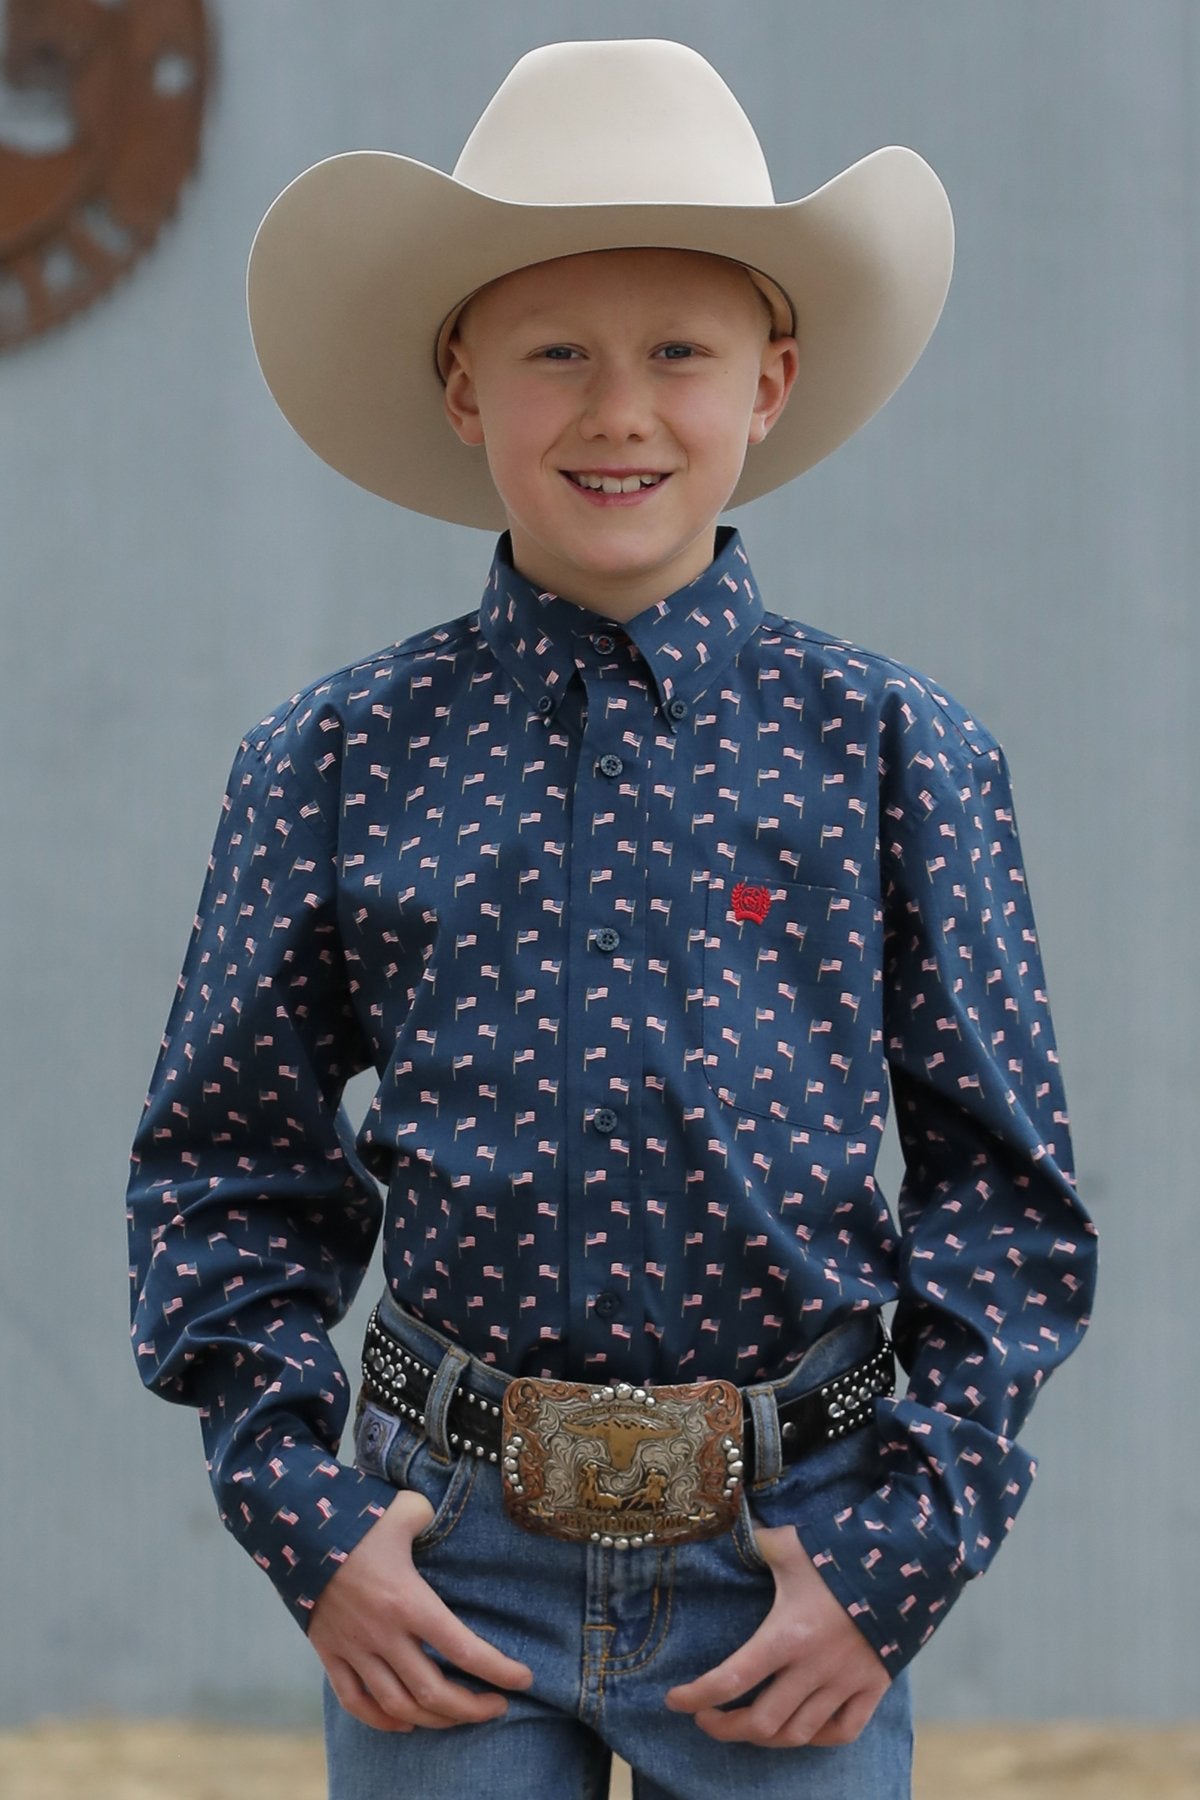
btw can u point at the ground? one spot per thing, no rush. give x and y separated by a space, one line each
104 1760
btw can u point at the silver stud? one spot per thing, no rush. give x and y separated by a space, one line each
621 1544
788 1429
639 1393
607 1542
492 1456
636 1542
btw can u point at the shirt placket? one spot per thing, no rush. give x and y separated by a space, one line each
605 1024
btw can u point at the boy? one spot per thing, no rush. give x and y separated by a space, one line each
634 894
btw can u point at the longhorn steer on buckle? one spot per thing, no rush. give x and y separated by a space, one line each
621 1465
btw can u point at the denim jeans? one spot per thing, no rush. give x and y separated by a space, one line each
607 1632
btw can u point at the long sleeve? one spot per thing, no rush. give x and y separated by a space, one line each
250 1218
997 1258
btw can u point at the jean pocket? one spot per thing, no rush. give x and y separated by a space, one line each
828 1479
744 1541
399 1451
793 1018
445 1484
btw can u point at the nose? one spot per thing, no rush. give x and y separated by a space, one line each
616 405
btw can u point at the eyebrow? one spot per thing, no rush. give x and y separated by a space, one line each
701 315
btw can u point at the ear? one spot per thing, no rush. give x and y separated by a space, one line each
777 374
459 397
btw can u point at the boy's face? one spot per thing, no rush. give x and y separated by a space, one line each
614 365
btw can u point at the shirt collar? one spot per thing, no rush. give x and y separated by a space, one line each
682 642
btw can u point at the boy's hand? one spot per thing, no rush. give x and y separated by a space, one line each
825 1680
369 1624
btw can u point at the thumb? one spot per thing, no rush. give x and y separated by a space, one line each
780 1546
410 1512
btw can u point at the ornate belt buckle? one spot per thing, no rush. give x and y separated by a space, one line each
621 1465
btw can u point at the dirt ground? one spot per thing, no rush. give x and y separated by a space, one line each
109 1761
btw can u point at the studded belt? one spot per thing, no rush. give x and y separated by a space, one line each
616 1462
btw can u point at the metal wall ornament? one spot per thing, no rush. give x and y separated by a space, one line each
100 116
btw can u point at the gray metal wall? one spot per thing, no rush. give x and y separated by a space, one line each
1020 521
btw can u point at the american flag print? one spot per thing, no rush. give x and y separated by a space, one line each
625 1124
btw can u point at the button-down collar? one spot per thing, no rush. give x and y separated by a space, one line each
681 643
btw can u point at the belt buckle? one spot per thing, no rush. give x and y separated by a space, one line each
621 1465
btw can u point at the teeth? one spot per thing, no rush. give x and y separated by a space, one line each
616 484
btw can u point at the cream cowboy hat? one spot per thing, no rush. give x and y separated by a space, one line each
360 265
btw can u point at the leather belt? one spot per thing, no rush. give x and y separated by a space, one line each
400 1382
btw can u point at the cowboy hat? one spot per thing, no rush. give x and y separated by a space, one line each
361 264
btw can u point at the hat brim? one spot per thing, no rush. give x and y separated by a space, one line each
360 259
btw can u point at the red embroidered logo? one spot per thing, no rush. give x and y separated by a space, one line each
750 902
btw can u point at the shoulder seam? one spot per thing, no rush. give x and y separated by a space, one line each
813 634
465 625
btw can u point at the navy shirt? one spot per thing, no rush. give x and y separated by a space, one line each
635 923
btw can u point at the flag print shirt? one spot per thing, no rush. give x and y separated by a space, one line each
636 923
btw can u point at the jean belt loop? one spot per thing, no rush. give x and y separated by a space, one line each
768 1449
437 1401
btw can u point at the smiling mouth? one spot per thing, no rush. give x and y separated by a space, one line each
613 484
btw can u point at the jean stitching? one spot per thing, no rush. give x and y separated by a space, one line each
634 1668
595 1668
450 1510
625 1662
745 1543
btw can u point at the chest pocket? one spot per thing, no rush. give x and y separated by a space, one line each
793 1002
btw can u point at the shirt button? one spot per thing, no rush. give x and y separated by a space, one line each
610 764
603 643
604 1119
678 709
545 704
607 938
607 1304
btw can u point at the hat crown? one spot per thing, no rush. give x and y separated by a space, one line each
642 121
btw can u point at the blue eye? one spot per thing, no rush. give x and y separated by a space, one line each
676 352
558 352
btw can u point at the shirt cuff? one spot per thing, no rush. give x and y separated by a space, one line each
897 1561
298 1512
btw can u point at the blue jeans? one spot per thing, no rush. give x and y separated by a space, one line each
607 1632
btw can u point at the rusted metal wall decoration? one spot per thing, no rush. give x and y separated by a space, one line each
100 113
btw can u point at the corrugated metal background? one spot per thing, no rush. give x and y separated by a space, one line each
1020 521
